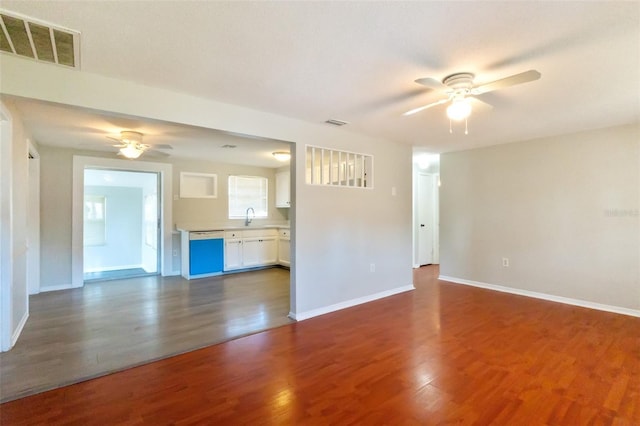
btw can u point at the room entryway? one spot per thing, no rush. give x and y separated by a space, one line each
120 224
426 182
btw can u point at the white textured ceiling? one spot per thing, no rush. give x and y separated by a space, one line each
357 61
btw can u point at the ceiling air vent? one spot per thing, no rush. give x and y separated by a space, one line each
336 122
30 38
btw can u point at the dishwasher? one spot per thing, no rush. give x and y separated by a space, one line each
206 253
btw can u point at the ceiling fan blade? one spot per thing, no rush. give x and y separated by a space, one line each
523 77
431 83
158 154
162 146
479 104
422 108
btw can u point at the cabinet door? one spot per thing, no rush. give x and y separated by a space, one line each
232 254
259 251
284 253
283 191
269 250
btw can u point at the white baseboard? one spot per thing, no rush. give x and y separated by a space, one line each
18 330
114 268
545 296
56 288
301 316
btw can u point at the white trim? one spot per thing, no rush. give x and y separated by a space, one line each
349 303
544 296
114 268
56 288
6 228
166 221
18 330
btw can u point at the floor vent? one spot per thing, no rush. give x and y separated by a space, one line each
30 38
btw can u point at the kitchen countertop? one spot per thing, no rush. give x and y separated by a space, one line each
199 227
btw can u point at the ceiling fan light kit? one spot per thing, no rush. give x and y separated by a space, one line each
459 109
131 145
459 89
131 151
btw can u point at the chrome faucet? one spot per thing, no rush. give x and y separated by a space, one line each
248 220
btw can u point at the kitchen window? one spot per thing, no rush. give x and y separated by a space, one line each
248 192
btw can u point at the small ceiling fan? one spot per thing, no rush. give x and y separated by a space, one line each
131 146
459 89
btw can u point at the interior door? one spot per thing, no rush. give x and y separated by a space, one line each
426 218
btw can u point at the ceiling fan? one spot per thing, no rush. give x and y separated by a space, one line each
460 89
131 146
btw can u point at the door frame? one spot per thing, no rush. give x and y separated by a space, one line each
165 245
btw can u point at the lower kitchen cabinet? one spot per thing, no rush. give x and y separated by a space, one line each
258 251
250 248
284 248
232 254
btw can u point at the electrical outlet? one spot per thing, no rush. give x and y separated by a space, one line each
372 267
505 262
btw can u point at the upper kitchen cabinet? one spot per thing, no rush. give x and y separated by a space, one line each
283 189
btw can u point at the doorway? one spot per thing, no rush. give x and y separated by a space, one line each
120 224
426 210
165 243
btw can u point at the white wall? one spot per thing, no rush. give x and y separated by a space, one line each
123 242
340 232
33 221
337 233
15 172
564 210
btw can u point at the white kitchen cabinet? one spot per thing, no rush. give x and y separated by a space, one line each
232 254
259 251
283 189
250 248
284 248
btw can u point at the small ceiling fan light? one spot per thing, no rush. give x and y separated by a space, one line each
282 155
131 151
459 109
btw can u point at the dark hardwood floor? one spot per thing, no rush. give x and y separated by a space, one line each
73 335
442 354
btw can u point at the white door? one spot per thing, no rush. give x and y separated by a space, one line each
426 218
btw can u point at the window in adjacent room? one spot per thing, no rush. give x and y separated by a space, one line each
95 231
248 192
